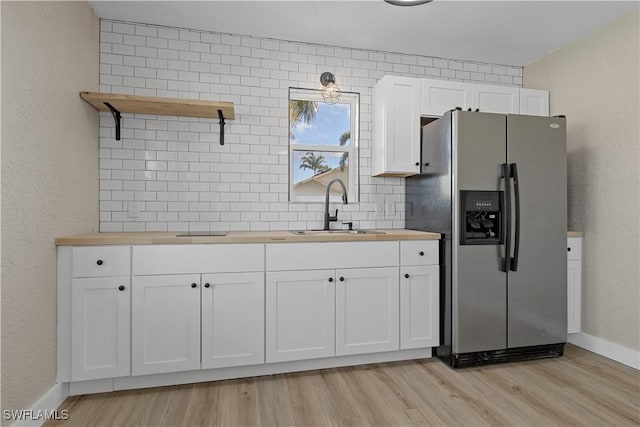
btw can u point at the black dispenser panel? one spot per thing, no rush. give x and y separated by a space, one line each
481 218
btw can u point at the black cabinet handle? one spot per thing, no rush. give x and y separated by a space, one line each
417 163
99 262
330 279
426 164
121 288
406 276
193 285
568 249
421 253
206 285
342 279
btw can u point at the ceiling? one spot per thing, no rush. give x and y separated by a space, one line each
499 32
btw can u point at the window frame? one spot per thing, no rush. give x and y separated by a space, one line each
353 150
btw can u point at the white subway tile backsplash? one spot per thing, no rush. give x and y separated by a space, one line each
175 168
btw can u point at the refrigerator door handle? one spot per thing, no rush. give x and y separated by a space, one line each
505 263
516 190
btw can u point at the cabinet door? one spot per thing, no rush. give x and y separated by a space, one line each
300 315
440 96
232 319
534 102
100 328
367 315
165 324
419 307
396 138
574 299
495 99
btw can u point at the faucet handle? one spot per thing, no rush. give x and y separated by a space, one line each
334 217
349 223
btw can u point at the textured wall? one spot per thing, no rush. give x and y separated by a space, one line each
594 81
49 176
176 171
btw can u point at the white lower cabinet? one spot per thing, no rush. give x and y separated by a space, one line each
232 319
100 325
574 284
165 323
367 314
168 309
300 315
323 313
419 300
574 298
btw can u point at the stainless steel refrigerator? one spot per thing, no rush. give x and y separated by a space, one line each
495 186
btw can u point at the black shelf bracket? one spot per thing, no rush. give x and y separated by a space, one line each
116 118
221 117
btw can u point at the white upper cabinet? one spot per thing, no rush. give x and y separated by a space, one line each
534 102
495 99
440 96
396 127
399 102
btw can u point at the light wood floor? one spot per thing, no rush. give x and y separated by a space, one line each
580 388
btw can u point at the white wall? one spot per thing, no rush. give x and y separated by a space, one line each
595 82
175 168
49 177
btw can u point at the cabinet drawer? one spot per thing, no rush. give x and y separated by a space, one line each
323 255
184 259
574 248
101 261
419 252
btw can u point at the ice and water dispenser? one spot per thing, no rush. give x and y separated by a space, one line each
481 218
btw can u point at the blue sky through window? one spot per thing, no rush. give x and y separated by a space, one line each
329 123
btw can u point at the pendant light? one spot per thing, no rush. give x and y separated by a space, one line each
330 92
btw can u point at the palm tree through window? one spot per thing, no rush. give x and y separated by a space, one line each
322 144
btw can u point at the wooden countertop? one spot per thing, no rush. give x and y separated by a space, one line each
169 238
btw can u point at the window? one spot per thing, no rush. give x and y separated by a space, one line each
323 145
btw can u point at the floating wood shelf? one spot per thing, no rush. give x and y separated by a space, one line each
118 103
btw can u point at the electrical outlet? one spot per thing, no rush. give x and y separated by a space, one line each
390 208
380 208
133 210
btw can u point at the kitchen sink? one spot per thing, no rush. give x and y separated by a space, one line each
321 232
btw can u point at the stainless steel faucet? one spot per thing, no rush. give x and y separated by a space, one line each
327 217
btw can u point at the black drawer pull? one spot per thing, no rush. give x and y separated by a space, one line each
406 276
342 279
193 285
206 285
568 249
421 253
99 262
121 288
330 279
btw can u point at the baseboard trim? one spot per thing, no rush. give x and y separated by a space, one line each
191 377
613 351
49 402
